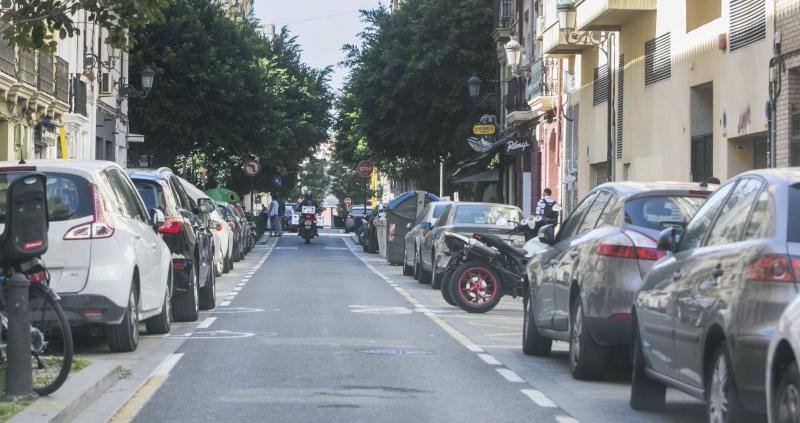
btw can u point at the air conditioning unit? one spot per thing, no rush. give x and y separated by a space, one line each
106 85
539 27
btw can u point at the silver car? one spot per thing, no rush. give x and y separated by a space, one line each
706 312
464 218
417 230
582 286
783 375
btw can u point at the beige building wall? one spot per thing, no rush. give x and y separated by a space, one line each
787 22
657 124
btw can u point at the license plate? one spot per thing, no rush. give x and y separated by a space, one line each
308 210
308 222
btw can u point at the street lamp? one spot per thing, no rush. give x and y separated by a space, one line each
126 91
513 52
566 14
474 86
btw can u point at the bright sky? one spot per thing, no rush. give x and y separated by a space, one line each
322 27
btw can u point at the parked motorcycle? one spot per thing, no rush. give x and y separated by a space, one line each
485 267
308 223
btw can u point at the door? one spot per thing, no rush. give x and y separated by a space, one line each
544 303
187 208
702 157
705 291
568 256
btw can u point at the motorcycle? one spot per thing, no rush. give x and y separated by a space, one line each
308 223
485 267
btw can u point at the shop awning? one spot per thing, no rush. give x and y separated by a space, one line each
492 175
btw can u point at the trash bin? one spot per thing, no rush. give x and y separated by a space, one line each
400 212
380 230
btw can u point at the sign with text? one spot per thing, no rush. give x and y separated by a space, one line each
484 129
517 146
364 168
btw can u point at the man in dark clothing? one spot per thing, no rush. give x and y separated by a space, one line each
546 212
282 214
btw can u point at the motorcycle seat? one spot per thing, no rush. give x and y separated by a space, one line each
503 246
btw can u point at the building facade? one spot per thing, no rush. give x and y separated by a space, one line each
785 89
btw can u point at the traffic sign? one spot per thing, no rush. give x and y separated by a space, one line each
348 202
484 129
364 168
252 168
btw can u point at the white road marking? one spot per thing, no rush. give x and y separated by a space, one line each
164 368
224 303
242 284
539 398
474 348
285 248
509 375
237 288
566 419
489 359
206 323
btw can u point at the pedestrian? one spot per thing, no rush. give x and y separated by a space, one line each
281 214
273 218
545 213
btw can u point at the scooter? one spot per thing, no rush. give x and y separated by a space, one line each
308 223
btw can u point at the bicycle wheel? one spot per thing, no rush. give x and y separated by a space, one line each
51 341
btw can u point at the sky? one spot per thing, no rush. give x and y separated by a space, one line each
322 27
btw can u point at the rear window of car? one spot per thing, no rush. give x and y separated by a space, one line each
656 212
437 210
359 211
479 214
68 196
793 229
152 194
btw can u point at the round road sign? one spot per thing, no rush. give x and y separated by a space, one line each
364 168
252 168
348 202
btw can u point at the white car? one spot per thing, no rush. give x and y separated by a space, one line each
783 375
105 258
223 235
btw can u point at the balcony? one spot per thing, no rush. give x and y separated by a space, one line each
543 87
607 15
26 67
62 80
7 59
517 109
503 18
39 79
557 43
46 80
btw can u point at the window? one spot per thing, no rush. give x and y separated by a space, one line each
438 209
476 214
795 141
117 201
442 220
701 12
657 59
698 227
152 195
594 212
793 234
127 195
183 200
68 196
654 211
760 225
422 215
570 226
733 216
599 173
748 21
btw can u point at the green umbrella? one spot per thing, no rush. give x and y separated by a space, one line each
223 194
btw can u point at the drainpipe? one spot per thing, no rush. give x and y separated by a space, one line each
776 66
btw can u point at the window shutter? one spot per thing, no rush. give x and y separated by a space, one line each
600 93
620 109
748 21
657 59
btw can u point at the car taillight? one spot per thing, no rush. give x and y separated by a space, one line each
218 227
171 226
99 227
232 225
633 246
774 268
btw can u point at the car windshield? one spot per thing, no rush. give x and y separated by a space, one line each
152 194
68 196
485 214
654 212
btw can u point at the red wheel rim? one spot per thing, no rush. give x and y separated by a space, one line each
477 286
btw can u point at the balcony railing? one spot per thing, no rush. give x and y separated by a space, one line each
516 100
544 79
7 58
26 67
502 13
45 77
62 80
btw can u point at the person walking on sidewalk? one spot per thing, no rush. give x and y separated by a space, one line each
273 217
281 214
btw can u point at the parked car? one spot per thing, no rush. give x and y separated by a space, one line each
238 228
782 374
220 231
705 314
105 259
354 217
462 218
187 237
368 232
582 284
248 240
292 219
417 230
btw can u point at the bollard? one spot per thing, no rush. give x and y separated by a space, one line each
19 373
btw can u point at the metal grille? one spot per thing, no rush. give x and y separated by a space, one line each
27 67
620 109
657 60
502 12
62 79
600 90
46 82
7 56
516 99
748 22
537 79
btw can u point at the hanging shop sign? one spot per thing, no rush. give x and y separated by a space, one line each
516 146
484 131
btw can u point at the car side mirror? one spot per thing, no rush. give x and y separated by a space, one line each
426 226
157 217
25 235
408 225
547 235
668 239
205 205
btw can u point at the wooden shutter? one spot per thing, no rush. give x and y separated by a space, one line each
657 59
600 93
620 109
748 21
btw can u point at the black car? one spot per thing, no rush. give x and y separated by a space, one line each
368 232
188 237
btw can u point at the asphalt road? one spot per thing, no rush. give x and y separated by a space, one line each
315 335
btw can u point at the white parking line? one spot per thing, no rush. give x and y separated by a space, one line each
489 359
224 303
474 348
509 375
539 398
206 323
237 288
566 419
164 368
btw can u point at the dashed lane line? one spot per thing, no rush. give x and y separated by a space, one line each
489 359
539 398
509 375
206 323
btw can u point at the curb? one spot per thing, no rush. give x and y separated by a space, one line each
80 390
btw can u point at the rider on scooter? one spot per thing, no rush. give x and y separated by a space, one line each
546 211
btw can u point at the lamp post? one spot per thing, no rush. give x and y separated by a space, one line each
126 91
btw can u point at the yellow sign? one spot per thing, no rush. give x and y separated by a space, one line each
63 140
483 129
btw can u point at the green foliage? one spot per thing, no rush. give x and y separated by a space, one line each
406 103
225 93
38 24
312 177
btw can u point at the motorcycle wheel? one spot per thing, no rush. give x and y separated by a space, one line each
475 287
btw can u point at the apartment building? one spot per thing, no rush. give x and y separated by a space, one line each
785 83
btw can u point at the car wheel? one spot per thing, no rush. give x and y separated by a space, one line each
424 275
447 293
160 324
533 343
786 402
587 359
407 270
124 337
186 305
208 294
475 287
646 394
226 264
436 283
722 397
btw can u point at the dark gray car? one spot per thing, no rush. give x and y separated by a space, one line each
464 218
583 283
705 313
417 230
